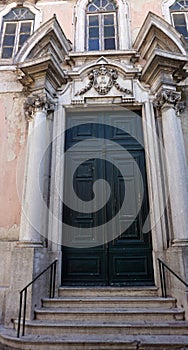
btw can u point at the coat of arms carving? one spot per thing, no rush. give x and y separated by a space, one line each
103 79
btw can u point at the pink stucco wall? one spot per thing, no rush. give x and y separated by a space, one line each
64 14
12 144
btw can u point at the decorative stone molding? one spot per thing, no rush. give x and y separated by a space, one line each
103 79
36 103
167 96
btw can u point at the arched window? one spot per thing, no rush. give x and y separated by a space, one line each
101 25
179 14
17 26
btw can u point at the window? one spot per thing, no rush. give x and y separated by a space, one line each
101 25
179 13
17 27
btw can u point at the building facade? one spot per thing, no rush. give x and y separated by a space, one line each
94 144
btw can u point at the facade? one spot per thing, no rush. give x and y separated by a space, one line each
89 91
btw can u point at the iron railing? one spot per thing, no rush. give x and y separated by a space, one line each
162 267
23 295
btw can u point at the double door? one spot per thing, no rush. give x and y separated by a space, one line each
105 202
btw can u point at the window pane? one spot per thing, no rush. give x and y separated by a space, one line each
8 40
179 19
96 3
10 28
108 19
94 32
19 13
104 2
93 44
92 8
179 5
93 21
182 30
110 7
25 28
109 31
7 52
23 38
109 44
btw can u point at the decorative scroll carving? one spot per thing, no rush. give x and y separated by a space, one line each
166 96
169 97
36 103
103 79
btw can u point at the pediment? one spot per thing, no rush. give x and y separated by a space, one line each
156 33
103 79
123 68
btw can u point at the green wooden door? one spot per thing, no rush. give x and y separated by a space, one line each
106 145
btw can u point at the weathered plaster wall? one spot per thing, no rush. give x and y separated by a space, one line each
12 136
139 10
63 11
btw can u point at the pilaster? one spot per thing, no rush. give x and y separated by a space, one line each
37 109
168 104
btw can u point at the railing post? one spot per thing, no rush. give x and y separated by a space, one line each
161 277
51 276
164 280
24 311
20 315
54 278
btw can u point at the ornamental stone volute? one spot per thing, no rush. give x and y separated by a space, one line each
37 103
169 98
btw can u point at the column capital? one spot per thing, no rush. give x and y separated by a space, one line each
166 96
37 102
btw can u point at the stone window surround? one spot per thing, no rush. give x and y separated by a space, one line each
123 16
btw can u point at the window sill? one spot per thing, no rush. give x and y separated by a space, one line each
130 54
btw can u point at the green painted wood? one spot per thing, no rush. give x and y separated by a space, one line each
127 260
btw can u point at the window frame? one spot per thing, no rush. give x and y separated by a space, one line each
101 30
176 11
37 12
185 13
101 13
17 35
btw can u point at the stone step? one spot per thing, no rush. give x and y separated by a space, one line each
100 328
109 314
106 301
9 341
107 291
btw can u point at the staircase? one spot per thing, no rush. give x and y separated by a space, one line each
103 318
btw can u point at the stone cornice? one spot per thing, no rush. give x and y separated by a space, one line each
164 68
40 73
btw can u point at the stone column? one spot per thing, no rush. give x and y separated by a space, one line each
36 109
168 102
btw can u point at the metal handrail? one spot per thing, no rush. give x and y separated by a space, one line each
162 267
23 294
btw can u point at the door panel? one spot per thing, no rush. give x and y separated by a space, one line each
127 258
